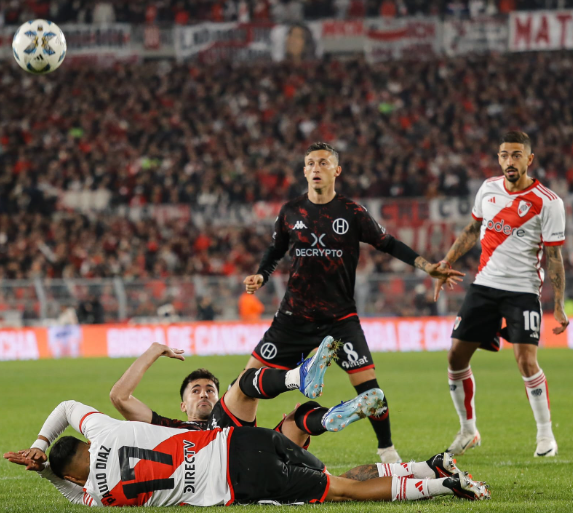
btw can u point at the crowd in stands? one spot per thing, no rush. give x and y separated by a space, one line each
166 133
193 11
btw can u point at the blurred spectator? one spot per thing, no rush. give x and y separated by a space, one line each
192 11
205 309
91 311
250 307
68 316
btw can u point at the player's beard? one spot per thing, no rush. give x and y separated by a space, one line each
514 178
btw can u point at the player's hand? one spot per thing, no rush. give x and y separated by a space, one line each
444 276
562 319
169 352
253 283
32 459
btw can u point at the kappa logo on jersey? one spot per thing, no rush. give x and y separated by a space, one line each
318 251
352 357
299 225
340 226
523 208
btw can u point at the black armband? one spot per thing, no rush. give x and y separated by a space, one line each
402 252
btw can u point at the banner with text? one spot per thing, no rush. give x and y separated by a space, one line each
402 38
225 338
209 42
474 35
540 30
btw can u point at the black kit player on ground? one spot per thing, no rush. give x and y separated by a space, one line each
323 230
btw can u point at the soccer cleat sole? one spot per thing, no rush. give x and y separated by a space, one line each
465 488
313 369
443 465
368 404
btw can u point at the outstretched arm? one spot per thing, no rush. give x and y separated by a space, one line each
556 273
121 395
465 241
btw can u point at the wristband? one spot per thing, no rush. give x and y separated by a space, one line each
40 444
445 262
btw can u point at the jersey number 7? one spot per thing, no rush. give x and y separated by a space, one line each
132 490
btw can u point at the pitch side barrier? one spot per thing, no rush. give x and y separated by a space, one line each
224 338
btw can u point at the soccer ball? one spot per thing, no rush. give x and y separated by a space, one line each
39 47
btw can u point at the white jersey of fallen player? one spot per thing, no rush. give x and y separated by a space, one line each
137 464
515 227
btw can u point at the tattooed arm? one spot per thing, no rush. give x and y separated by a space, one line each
556 273
362 473
465 241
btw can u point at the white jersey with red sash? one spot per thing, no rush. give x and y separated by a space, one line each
515 227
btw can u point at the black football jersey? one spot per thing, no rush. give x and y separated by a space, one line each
189 425
324 243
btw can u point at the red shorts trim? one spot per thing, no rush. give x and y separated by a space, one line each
354 371
232 499
347 316
84 418
228 412
267 364
326 488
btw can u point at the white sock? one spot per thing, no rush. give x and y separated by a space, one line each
462 389
404 489
292 379
412 469
436 487
538 395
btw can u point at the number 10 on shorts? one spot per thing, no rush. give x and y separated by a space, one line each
531 320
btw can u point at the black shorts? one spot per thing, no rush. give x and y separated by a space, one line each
289 340
266 466
481 314
221 417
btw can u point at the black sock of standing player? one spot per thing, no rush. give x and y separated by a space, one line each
381 424
308 418
265 383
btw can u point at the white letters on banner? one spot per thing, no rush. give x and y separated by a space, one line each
18 345
474 35
402 38
540 30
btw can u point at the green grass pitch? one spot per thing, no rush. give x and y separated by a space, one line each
423 423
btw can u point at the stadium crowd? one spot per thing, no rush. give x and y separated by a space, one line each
165 133
192 11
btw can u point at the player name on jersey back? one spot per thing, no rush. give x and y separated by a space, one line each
137 464
515 227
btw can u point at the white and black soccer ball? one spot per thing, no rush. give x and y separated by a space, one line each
39 47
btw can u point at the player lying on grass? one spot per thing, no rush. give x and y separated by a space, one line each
135 464
238 406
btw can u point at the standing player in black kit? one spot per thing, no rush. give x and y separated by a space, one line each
323 230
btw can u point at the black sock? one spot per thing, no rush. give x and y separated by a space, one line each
308 418
381 424
264 383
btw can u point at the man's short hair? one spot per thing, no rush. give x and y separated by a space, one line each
317 146
62 454
194 376
516 137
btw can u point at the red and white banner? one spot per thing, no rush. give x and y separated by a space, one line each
224 338
343 36
540 30
402 38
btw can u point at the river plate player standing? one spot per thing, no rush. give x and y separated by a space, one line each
323 230
514 218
